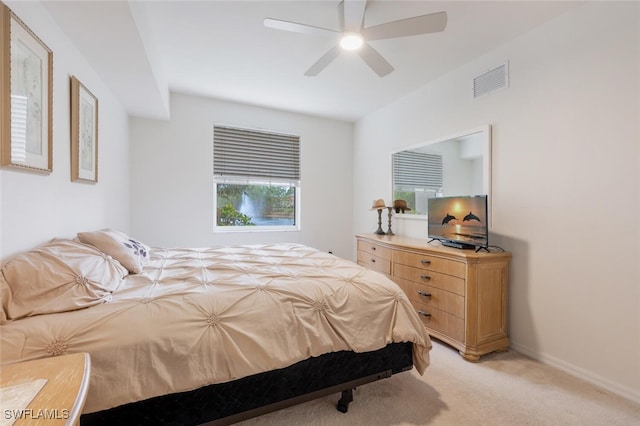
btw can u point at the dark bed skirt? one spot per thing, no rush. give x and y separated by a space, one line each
230 402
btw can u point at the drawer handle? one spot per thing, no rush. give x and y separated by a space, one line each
373 248
424 314
424 293
425 277
425 261
373 260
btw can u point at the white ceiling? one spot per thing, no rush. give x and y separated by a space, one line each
221 49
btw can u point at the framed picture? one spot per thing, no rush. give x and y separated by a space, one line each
84 133
26 97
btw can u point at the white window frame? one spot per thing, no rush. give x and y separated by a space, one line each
255 228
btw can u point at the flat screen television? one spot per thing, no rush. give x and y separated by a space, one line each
460 222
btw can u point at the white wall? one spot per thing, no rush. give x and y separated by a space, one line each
565 182
172 176
35 208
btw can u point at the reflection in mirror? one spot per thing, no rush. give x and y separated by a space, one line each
452 166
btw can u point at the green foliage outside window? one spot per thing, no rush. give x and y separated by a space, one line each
228 216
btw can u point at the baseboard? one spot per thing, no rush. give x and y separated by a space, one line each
588 376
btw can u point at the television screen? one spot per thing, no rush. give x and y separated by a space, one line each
460 222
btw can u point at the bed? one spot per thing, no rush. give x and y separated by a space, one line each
192 335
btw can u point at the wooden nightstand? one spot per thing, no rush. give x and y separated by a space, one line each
61 399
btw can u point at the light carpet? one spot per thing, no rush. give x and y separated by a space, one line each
502 389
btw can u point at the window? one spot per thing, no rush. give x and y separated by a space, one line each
256 178
417 176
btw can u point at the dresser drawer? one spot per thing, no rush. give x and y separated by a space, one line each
374 249
425 295
428 277
431 263
442 322
374 262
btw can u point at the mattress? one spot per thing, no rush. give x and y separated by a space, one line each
251 396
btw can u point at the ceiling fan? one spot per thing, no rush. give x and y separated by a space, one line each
354 36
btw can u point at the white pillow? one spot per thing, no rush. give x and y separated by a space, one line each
131 253
61 275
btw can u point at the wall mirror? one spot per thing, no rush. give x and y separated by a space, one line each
455 165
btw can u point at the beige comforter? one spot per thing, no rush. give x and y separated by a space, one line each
198 316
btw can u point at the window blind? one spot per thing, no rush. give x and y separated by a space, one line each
244 153
417 170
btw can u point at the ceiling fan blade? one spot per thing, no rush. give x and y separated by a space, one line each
323 61
298 28
375 60
424 24
353 14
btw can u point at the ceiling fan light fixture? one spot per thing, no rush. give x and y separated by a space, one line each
354 36
351 41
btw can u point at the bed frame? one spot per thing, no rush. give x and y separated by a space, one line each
231 402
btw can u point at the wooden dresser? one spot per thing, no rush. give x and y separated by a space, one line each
460 295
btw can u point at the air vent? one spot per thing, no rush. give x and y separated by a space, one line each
490 81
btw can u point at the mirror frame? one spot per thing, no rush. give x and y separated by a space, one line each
486 160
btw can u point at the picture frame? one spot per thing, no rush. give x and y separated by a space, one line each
26 97
84 133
